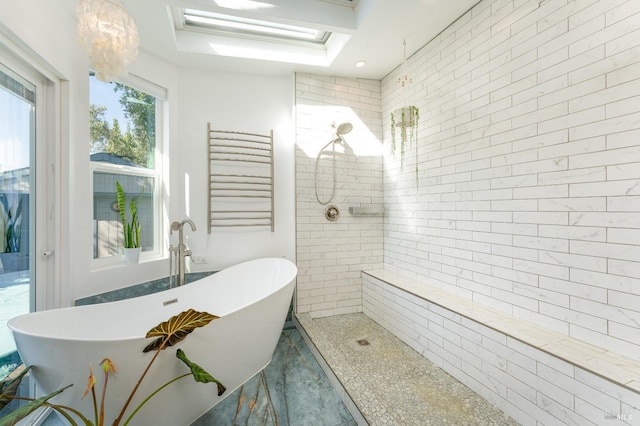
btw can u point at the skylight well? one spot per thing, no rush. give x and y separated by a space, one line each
252 28
216 32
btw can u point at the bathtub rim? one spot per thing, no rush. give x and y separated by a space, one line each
14 323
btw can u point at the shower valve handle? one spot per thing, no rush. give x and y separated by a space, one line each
331 213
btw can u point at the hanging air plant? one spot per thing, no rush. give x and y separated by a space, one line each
406 120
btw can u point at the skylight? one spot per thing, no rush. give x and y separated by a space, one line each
251 28
309 37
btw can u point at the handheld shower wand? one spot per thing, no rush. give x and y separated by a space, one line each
341 130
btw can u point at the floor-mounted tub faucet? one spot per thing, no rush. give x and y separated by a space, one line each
181 251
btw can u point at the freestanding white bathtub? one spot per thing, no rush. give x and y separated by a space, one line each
252 300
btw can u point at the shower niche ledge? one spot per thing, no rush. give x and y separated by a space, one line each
373 210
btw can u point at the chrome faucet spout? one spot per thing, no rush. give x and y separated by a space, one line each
182 250
190 222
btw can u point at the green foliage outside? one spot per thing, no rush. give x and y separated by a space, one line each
10 224
136 143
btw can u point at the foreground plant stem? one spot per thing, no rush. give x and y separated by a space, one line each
150 396
104 392
95 405
144 373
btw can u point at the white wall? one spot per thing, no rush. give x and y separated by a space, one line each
330 255
529 158
237 102
47 32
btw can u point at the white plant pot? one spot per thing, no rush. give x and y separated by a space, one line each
132 255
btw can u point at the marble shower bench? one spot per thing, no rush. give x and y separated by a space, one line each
535 375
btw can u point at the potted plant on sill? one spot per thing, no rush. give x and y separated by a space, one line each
131 229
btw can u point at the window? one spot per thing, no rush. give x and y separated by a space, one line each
125 126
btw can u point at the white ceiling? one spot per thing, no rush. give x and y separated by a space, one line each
377 28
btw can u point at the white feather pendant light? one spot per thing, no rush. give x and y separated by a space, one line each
109 35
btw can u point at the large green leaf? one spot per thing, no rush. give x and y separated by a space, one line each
9 386
16 415
199 374
177 328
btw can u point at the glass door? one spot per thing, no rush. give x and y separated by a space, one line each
17 213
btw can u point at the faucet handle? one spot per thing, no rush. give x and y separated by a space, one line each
175 226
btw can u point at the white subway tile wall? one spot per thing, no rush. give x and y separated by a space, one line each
528 197
527 383
330 255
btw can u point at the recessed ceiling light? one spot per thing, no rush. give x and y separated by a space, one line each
361 64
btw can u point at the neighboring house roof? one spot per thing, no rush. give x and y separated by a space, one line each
105 157
15 181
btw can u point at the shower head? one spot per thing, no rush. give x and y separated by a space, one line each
343 128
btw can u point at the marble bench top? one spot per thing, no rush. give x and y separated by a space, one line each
606 364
